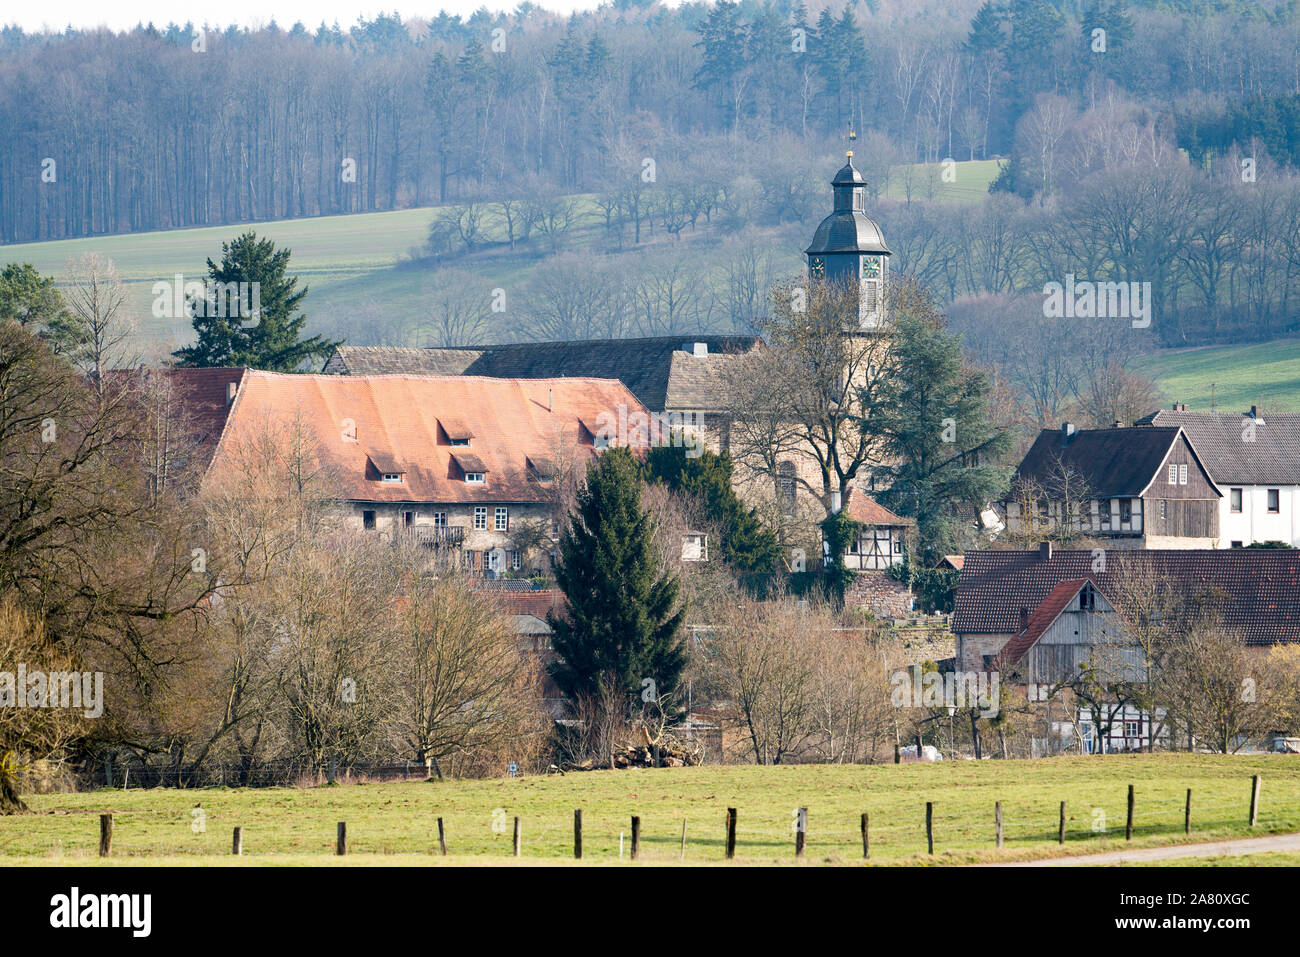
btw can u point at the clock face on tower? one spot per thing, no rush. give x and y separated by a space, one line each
817 267
871 268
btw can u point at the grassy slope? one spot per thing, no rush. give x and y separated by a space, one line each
355 261
1259 373
396 823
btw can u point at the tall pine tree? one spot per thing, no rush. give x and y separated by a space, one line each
623 620
270 340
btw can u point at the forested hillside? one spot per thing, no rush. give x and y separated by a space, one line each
1143 142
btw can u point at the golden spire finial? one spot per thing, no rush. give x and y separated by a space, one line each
852 136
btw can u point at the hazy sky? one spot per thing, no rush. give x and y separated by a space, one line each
57 14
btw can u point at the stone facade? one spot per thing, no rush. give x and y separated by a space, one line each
878 593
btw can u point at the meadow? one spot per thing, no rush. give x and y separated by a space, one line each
396 823
1229 378
363 263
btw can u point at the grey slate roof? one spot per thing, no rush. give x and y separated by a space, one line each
1273 458
1259 588
1116 463
655 370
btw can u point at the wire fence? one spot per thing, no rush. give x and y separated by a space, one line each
703 836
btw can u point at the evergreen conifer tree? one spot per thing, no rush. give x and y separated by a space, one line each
623 621
270 340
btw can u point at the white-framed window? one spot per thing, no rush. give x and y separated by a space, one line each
392 478
475 478
460 443
1130 729
1235 500
480 517
502 519
1173 474
439 519
1164 509
516 560
1182 475
1274 501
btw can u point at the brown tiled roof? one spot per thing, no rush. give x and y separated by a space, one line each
396 417
469 462
1257 590
1040 619
698 383
862 508
380 360
1113 462
650 368
202 395
385 464
1272 457
956 561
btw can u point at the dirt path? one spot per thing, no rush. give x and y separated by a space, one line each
1247 845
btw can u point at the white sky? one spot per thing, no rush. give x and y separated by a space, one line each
57 14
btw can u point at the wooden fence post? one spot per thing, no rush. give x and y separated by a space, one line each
929 825
518 836
442 838
636 836
577 833
1128 828
1254 799
801 832
731 833
342 847
1187 814
997 820
1060 828
237 842
866 840
105 835
683 839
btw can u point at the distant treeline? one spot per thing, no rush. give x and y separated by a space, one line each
169 127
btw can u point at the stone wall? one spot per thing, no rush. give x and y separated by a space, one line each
878 593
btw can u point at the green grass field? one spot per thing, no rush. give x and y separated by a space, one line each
396 823
1230 378
360 263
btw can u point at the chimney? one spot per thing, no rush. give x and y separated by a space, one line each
1180 406
1067 430
232 389
1024 618
550 400
700 349
1045 551
1119 424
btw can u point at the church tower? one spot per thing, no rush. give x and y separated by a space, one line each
849 247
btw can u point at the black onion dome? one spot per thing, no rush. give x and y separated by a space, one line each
848 229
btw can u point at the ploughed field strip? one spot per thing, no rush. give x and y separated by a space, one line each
402 818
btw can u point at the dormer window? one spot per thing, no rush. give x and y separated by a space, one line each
542 470
457 432
385 468
472 468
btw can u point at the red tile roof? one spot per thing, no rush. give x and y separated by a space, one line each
394 419
1040 619
1255 590
862 508
202 397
